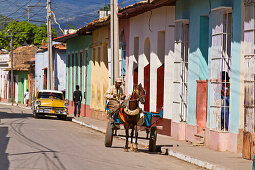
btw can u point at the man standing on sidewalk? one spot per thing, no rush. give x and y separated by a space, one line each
26 96
77 97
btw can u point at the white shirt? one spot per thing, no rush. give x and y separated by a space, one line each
26 95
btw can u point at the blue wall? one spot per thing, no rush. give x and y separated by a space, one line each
199 57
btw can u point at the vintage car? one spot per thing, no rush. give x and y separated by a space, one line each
50 102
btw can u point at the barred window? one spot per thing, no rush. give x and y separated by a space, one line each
220 68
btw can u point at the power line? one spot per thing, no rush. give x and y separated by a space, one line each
17 10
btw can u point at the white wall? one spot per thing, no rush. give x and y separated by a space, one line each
41 61
147 25
4 59
60 69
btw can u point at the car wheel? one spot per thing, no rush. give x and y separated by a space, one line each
35 115
62 117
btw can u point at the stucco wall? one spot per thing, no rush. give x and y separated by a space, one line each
147 25
99 68
78 44
4 58
199 65
60 69
41 62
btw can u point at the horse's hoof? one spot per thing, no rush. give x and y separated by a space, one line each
131 147
125 150
135 148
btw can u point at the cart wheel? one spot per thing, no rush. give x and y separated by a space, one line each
108 135
153 139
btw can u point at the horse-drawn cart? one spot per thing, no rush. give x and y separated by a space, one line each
114 123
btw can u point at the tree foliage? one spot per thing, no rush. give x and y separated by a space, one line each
24 33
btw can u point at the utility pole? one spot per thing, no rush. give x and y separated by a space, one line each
28 14
114 40
11 48
49 38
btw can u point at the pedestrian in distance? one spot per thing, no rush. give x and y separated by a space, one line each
26 97
225 92
77 97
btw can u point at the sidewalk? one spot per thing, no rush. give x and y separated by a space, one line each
19 105
198 155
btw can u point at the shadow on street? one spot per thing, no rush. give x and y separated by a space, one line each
4 115
4 162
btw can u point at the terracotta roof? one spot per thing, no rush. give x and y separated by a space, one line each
3 52
21 67
94 25
23 55
66 37
143 6
61 46
44 47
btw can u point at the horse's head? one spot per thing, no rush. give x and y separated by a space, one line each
140 92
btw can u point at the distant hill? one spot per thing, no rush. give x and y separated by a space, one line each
4 21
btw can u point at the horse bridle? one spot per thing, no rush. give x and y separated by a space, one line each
139 96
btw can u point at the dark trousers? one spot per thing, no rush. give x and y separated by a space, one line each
225 112
77 104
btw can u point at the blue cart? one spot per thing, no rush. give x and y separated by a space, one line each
114 124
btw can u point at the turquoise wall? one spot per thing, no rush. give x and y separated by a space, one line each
199 57
76 45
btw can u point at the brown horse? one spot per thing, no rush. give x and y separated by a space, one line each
129 115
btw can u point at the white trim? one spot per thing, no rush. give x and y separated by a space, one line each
228 9
185 21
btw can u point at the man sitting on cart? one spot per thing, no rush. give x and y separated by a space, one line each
114 94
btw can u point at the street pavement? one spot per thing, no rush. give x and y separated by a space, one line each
48 143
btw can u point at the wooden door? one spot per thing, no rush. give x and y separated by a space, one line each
160 87
147 87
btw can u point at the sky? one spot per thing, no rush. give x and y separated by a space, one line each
77 13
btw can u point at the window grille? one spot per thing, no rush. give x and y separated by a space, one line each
181 69
220 68
249 64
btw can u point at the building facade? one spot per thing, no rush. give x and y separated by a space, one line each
4 59
210 45
59 67
78 69
150 62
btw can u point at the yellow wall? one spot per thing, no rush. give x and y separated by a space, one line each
99 70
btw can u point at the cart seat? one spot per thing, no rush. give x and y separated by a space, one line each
148 117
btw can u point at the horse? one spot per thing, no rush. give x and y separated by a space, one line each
129 115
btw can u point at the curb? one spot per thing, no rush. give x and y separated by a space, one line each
177 155
9 104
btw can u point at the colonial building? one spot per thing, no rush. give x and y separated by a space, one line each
59 66
21 72
151 55
4 59
208 46
78 69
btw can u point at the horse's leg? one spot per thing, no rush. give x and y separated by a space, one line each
127 135
132 135
136 137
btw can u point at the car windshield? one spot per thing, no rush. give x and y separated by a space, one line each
50 95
